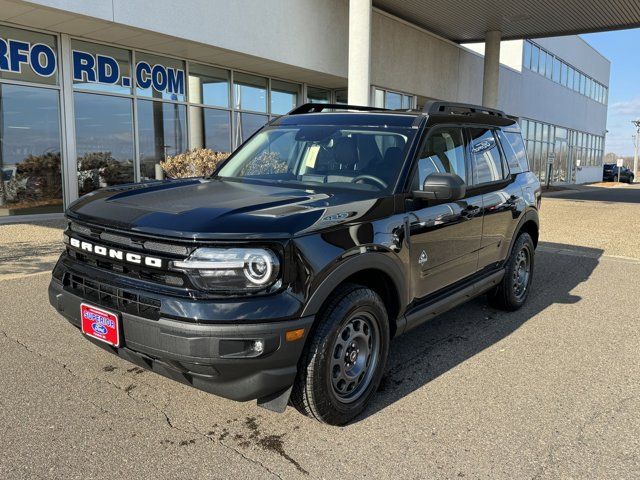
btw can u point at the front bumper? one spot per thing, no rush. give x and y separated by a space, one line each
204 356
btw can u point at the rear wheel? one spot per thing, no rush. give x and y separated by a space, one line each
514 289
343 363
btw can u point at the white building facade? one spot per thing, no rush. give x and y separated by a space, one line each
96 93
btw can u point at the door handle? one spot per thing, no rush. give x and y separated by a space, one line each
470 212
512 203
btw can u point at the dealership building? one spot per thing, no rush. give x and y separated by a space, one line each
96 93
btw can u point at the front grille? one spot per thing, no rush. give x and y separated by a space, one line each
108 296
136 244
139 273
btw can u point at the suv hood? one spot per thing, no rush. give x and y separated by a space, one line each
218 209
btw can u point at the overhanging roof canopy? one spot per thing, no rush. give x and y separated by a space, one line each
469 20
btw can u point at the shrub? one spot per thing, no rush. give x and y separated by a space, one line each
266 163
199 162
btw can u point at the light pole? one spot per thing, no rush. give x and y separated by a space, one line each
635 145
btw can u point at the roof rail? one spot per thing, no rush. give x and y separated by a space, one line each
434 107
319 107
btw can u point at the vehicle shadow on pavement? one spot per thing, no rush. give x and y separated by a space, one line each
440 345
629 194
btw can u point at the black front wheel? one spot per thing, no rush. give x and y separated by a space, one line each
514 289
342 365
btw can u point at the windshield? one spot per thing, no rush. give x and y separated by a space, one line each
363 158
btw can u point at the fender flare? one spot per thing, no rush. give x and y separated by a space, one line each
354 264
529 215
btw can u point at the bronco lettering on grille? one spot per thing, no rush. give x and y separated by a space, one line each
115 254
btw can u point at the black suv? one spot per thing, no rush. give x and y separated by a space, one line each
611 172
284 276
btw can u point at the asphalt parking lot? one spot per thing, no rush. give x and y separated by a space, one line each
550 391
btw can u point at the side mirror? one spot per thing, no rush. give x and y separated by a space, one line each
442 186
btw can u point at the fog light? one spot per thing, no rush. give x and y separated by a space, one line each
258 346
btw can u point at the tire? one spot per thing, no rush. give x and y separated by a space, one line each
513 291
328 387
615 179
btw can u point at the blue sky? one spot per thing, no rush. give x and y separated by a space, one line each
621 47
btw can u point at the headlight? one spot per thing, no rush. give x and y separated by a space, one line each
231 269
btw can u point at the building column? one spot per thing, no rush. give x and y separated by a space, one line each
491 79
359 52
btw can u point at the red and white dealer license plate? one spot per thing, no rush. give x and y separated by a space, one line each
100 324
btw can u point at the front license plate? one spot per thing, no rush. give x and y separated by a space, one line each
100 324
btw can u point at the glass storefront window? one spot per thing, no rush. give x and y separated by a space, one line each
159 77
250 92
556 70
393 100
549 70
104 140
162 131
543 62
284 97
208 85
246 124
342 96
36 59
527 55
101 68
318 95
535 56
30 161
210 128
378 98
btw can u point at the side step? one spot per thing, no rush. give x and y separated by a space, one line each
424 313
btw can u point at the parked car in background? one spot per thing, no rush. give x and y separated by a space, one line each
611 173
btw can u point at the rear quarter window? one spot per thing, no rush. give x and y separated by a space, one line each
514 149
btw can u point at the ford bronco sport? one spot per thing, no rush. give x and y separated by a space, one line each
284 276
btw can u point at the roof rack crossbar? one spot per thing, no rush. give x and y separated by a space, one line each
319 107
435 107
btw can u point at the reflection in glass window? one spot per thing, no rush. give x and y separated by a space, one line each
527 55
378 98
24 38
486 155
250 92
342 96
166 79
210 128
115 72
208 85
535 56
442 152
542 67
513 146
162 129
246 124
284 97
393 100
30 166
318 95
549 70
104 140
556 70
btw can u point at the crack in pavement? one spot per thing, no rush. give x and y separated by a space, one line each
129 392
